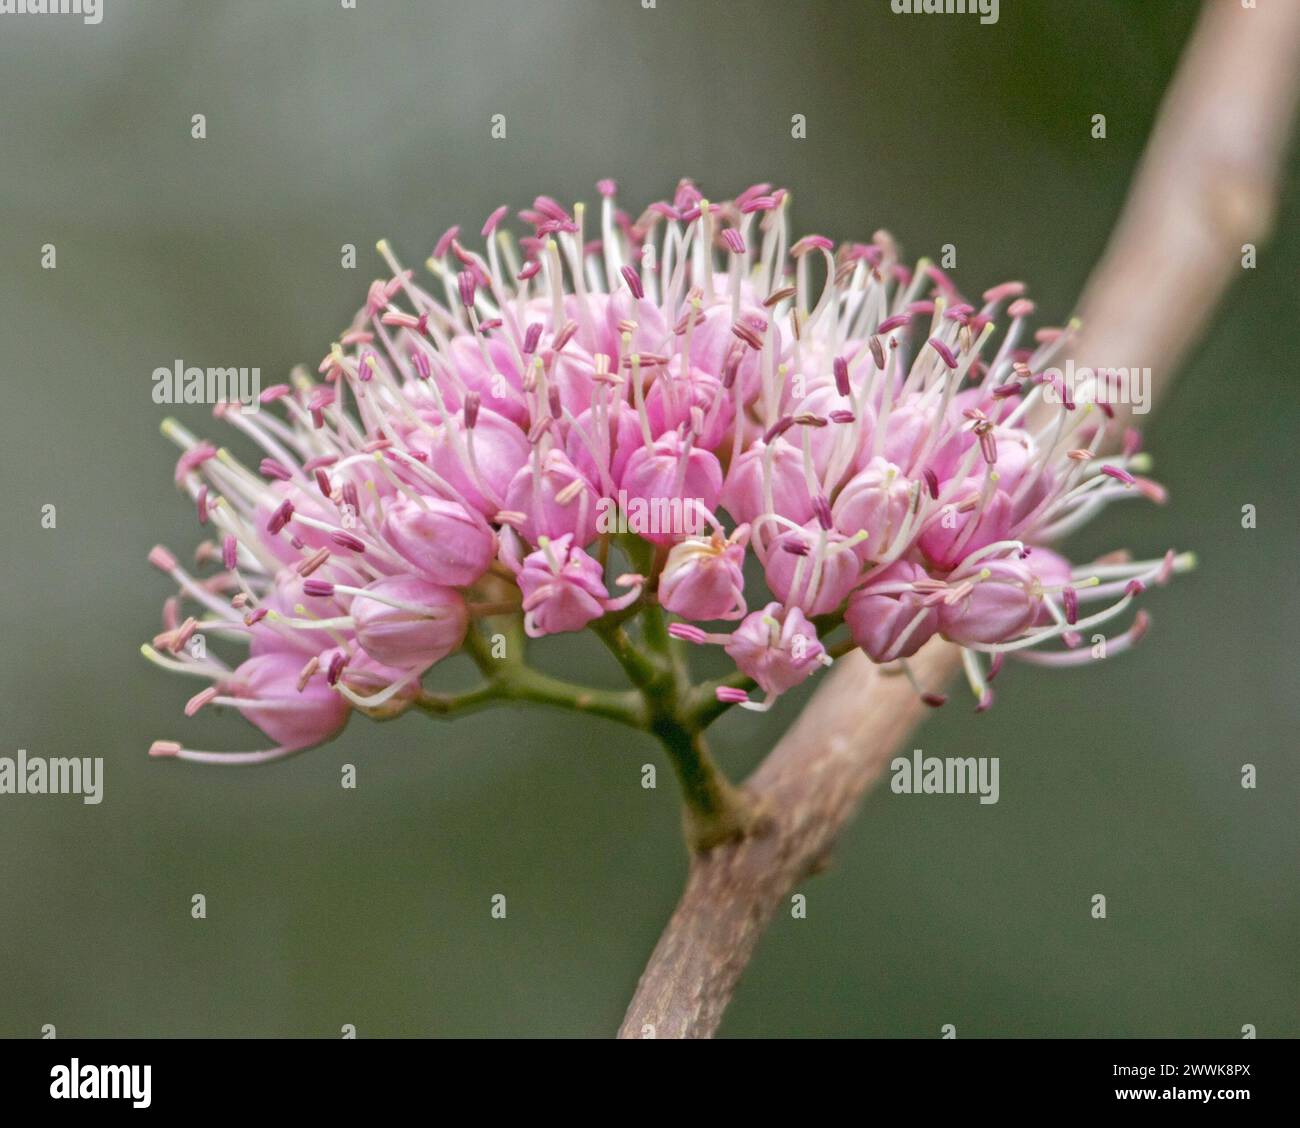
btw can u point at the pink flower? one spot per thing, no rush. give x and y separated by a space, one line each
554 499
768 477
673 469
563 589
890 617
883 443
478 460
812 568
876 501
703 578
440 540
777 647
409 623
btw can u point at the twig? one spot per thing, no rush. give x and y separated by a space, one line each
1205 186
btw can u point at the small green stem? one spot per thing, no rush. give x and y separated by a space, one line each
663 704
449 705
715 810
525 684
643 672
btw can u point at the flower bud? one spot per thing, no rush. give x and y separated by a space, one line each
291 718
555 500
704 579
946 540
440 539
1001 606
672 397
670 476
874 501
614 443
409 623
779 649
563 588
817 575
499 448
744 497
881 612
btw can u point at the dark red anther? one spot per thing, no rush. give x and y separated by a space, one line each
633 281
280 517
270 468
465 280
472 403
944 352
350 497
841 367
779 428
346 540
1070 598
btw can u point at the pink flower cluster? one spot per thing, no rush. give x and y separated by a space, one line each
878 446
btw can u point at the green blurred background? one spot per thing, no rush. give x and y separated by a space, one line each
328 126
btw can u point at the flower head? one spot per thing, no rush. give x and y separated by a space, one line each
886 449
